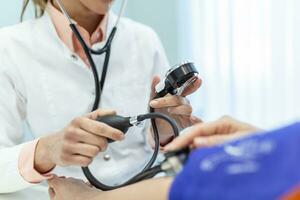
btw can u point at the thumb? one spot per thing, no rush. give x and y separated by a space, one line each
52 181
208 141
195 120
51 193
184 140
200 129
154 83
53 184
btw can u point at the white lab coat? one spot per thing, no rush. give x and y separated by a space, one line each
44 85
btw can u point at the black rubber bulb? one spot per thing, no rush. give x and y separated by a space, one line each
117 122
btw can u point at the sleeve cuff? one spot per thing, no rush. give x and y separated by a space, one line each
26 164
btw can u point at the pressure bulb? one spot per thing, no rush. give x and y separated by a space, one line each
124 123
117 122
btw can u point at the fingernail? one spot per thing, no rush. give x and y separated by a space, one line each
118 136
154 103
122 136
51 192
200 142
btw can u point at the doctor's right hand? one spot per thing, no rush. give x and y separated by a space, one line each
77 144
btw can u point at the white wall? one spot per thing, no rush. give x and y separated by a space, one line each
10 12
161 15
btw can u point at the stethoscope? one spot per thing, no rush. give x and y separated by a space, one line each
176 79
99 83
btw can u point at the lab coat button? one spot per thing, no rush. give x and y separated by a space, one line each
106 157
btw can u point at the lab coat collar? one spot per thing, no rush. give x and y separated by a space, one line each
48 30
48 26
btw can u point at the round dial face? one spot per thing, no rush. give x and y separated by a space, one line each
176 67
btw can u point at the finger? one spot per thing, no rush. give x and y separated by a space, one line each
100 129
196 120
53 182
185 110
192 88
85 150
80 160
88 138
155 81
51 193
100 112
187 139
209 141
184 121
75 180
169 101
183 140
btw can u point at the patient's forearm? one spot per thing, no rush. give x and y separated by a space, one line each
157 189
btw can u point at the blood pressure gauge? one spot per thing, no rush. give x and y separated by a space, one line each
177 79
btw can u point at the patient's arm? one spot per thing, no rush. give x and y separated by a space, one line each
157 189
65 189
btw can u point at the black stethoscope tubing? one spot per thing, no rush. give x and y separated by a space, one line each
148 171
99 85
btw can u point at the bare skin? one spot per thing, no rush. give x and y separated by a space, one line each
66 189
87 13
222 130
77 144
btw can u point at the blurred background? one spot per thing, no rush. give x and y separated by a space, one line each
247 52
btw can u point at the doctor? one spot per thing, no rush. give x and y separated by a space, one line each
47 82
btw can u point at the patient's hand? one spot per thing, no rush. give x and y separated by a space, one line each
213 133
70 188
73 189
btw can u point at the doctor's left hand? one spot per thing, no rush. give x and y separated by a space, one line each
177 107
77 144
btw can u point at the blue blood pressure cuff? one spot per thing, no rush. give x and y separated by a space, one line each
265 166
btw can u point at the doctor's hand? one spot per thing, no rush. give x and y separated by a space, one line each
77 144
177 107
70 188
209 134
